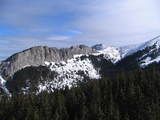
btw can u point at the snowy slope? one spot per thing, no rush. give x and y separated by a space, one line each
155 41
111 53
125 49
114 54
154 52
149 61
3 86
70 73
149 52
2 82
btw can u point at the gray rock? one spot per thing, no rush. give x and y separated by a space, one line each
36 56
99 47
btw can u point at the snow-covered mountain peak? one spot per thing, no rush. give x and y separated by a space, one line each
148 52
155 41
99 47
111 53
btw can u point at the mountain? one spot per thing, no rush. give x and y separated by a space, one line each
125 49
65 73
115 54
111 53
41 68
150 43
145 54
59 75
62 67
37 56
65 67
83 84
99 47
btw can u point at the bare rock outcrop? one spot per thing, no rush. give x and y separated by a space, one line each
36 56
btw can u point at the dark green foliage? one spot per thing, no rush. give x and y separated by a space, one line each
29 77
133 95
106 67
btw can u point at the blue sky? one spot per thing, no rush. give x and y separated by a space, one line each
63 23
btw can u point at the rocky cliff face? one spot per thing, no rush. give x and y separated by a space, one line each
37 56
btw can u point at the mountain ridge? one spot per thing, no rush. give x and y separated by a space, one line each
68 66
36 56
142 46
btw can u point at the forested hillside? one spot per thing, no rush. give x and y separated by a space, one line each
133 95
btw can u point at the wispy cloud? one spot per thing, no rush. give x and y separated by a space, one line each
121 22
28 23
60 38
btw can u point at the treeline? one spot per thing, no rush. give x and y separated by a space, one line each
128 96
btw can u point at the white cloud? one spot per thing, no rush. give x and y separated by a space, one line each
60 38
116 21
89 21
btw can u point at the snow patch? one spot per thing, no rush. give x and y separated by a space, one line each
2 81
3 86
70 73
155 41
110 53
149 60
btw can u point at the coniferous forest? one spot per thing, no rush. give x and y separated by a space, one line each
132 95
